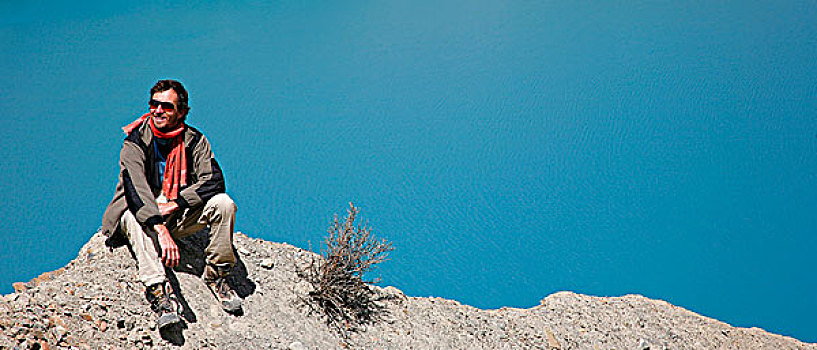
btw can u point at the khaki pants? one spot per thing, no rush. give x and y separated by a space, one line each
218 212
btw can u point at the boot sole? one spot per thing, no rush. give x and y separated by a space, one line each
231 305
168 320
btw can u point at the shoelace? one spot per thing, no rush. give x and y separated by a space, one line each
174 304
222 287
165 298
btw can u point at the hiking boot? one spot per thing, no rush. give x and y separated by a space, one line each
163 302
215 277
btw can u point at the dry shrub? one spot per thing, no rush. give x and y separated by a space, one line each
337 278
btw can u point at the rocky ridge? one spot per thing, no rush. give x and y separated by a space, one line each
97 302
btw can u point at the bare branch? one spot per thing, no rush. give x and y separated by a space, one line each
337 279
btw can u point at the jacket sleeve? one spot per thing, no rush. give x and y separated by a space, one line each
209 181
138 194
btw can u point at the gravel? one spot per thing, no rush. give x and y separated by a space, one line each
97 302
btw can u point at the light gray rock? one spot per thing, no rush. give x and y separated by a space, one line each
243 251
643 344
296 346
279 315
267 263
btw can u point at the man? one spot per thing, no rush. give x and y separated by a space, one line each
170 186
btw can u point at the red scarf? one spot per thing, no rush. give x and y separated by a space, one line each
176 164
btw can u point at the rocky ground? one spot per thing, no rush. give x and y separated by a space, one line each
96 302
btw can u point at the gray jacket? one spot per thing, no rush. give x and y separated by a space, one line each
139 182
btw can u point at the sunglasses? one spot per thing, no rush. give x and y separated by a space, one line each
168 106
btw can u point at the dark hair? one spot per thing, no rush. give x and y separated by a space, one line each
167 84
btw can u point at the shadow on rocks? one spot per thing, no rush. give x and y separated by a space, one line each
187 313
193 260
353 316
373 311
173 334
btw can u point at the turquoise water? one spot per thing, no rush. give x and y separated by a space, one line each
508 149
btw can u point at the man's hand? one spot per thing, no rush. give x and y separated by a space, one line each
170 252
168 208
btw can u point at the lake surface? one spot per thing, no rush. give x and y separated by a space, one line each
509 150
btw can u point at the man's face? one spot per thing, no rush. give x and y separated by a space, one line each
166 116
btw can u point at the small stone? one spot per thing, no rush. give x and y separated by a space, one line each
302 288
146 339
393 293
243 251
643 345
101 325
238 326
267 263
60 332
553 344
296 346
120 323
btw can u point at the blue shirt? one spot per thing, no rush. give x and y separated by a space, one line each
162 149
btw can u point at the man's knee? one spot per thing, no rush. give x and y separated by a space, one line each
126 217
223 203
128 222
